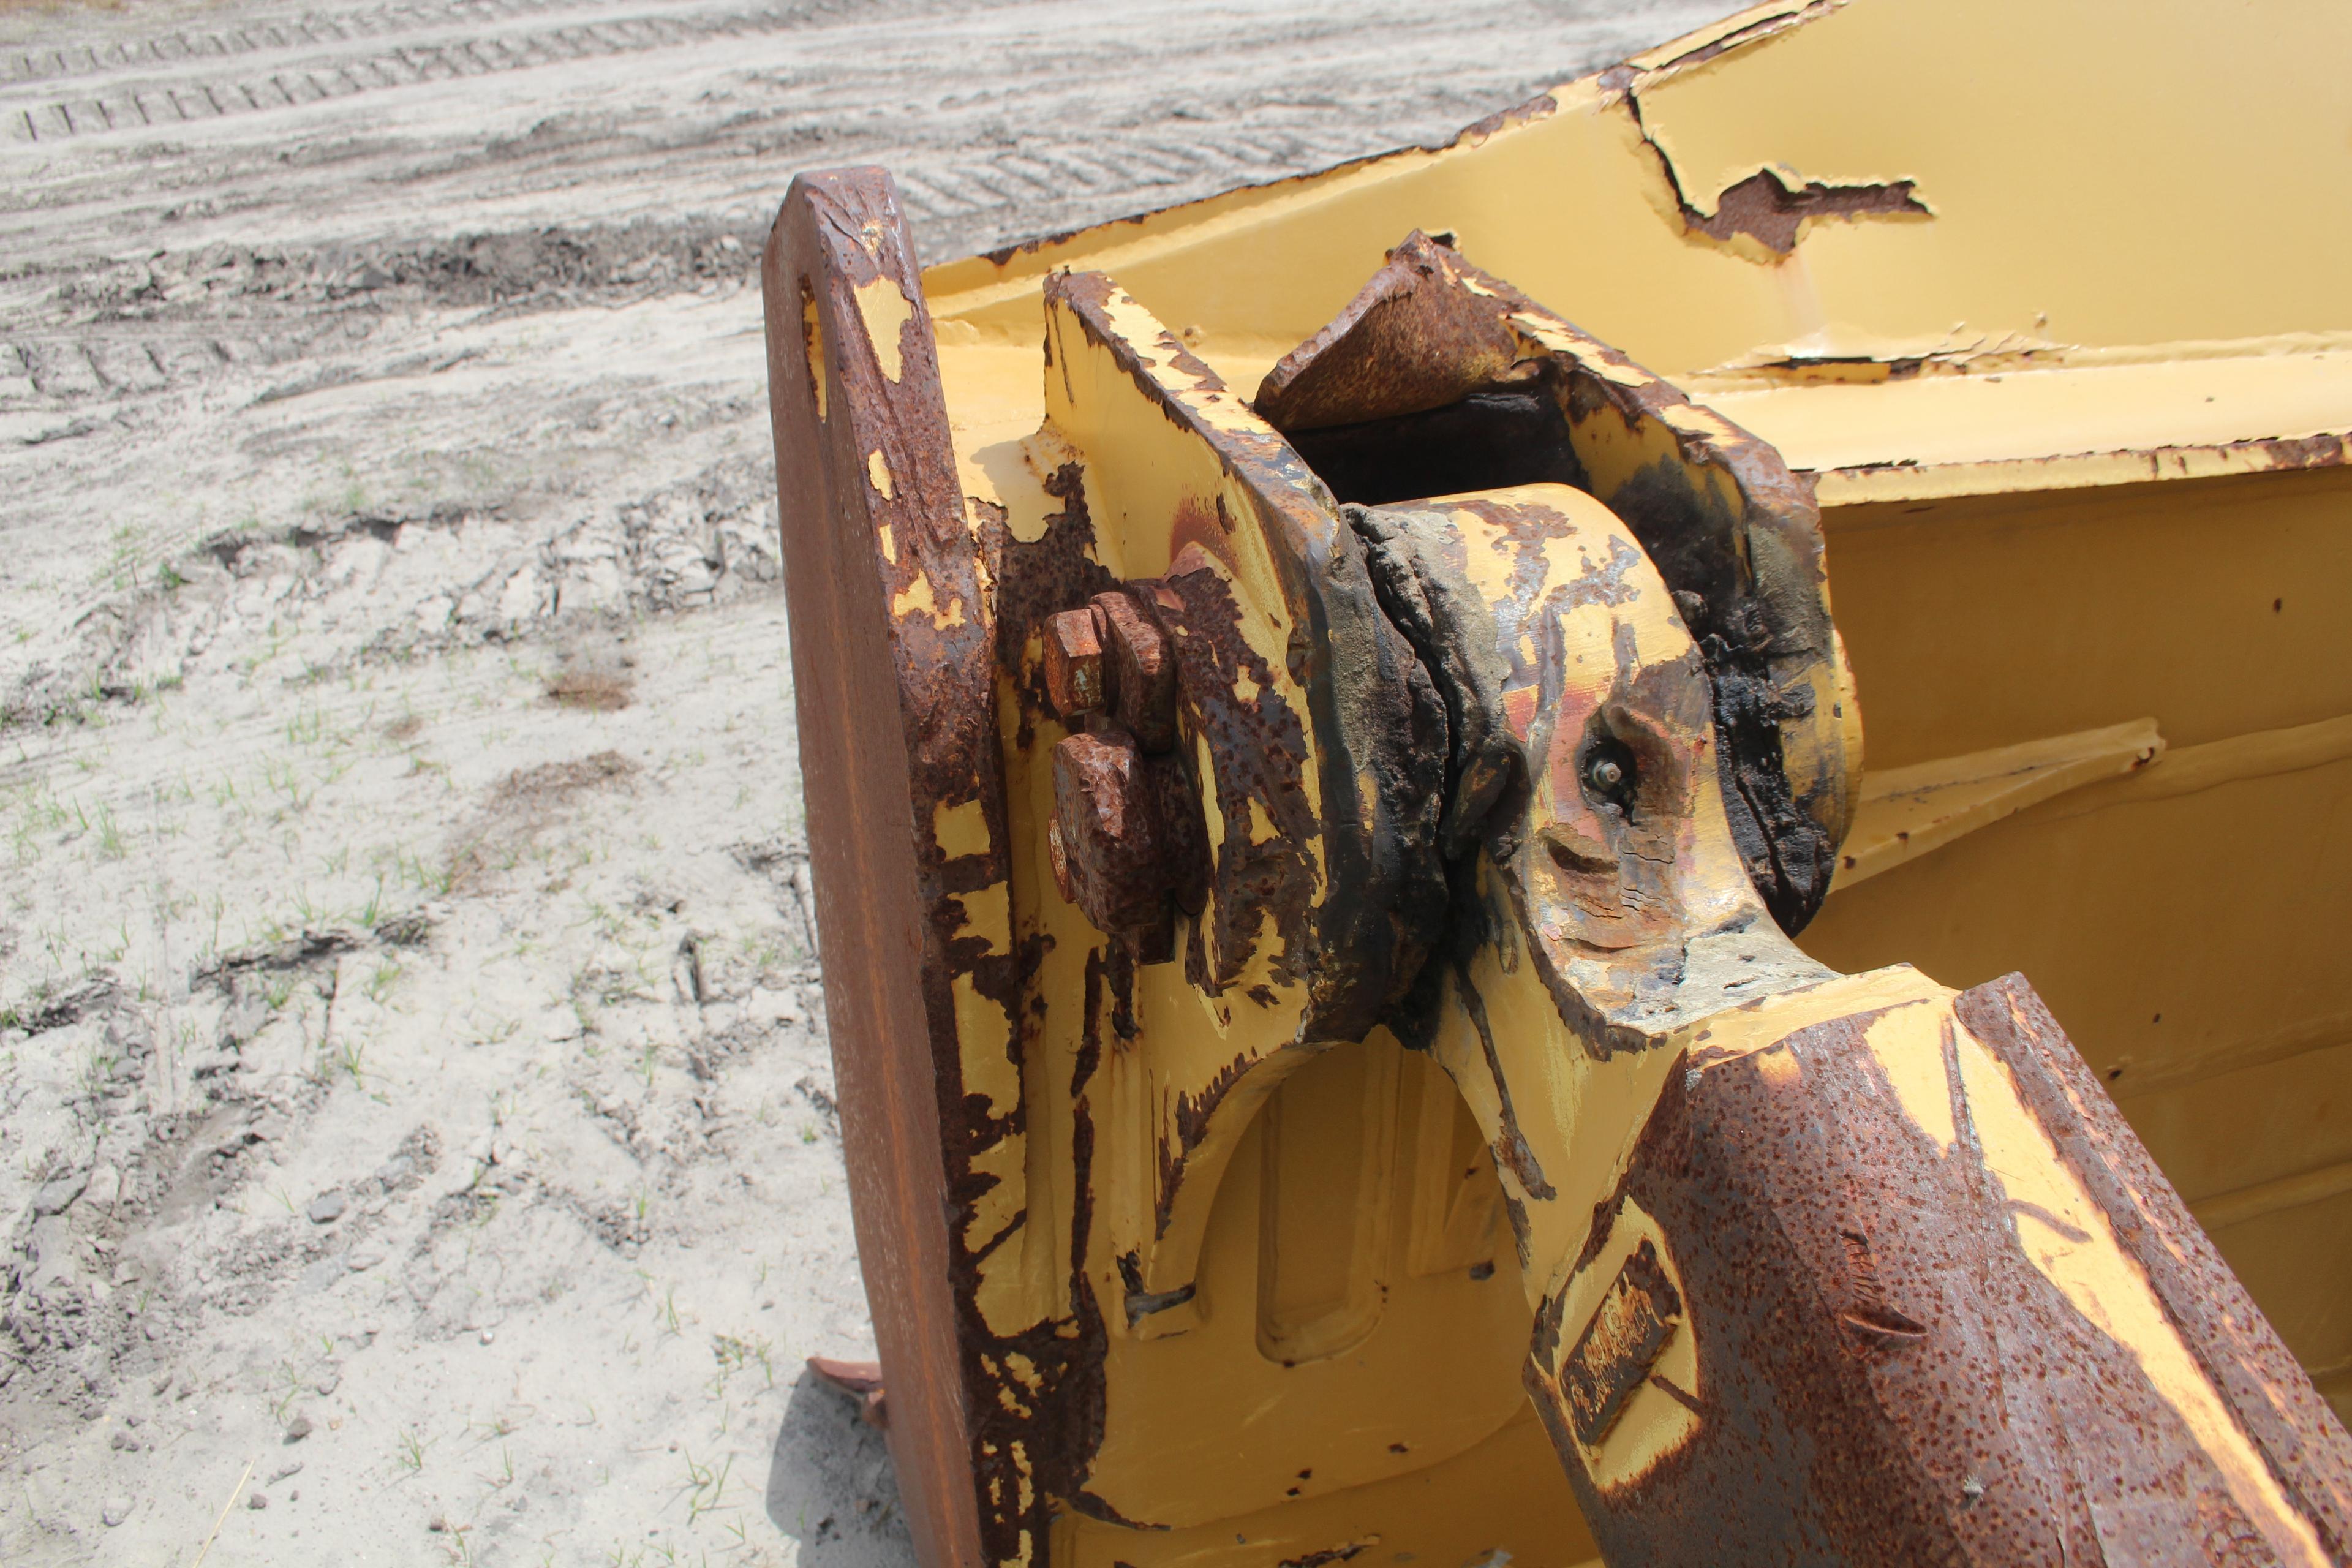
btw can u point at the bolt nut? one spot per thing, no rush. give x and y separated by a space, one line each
1127 835
1143 667
1078 673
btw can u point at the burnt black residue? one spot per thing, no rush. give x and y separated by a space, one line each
1743 581
1383 738
1450 628
1770 827
1427 384
1510 436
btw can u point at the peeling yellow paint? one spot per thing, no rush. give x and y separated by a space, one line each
882 306
813 346
1908 1042
961 829
2068 1236
917 599
985 1036
878 474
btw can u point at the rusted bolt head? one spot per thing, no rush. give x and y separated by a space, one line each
1126 835
1077 673
1143 678
1105 820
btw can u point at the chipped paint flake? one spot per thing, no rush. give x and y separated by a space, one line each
882 306
917 599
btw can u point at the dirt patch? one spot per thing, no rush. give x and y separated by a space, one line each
598 690
518 807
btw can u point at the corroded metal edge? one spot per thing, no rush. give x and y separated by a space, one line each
2268 1390
1886 1371
906 831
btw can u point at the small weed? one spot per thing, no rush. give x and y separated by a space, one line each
412 1450
109 834
733 1353
705 1486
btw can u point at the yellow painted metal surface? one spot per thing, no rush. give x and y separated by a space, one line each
2064 346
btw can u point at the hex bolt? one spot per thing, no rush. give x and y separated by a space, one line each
1610 772
1078 675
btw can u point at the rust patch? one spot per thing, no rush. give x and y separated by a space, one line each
1637 1315
1766 209
896 653
1257 757
1889 1376
2298 1435
1034 579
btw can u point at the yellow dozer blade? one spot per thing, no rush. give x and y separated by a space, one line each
1380 1014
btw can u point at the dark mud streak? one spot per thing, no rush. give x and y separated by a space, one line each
1511 1150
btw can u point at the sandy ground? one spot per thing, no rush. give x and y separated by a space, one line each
415 1140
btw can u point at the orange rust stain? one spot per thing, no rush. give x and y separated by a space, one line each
1519 709
1197 523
